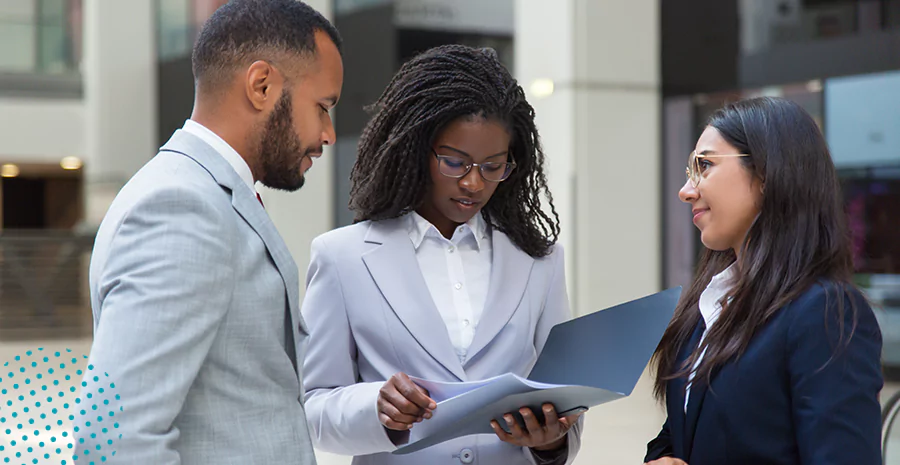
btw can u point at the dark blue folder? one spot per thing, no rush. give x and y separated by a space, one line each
596 358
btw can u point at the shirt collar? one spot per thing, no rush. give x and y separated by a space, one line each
718 287
230 155
420 228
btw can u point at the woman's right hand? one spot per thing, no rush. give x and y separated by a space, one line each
402 403
667 461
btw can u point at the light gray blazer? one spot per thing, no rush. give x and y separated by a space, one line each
371 315
191 289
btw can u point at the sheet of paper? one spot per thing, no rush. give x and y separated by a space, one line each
441 390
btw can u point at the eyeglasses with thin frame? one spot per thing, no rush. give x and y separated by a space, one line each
456 167
695 169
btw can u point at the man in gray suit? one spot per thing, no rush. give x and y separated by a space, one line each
194 293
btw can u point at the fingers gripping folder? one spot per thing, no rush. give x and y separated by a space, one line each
586 362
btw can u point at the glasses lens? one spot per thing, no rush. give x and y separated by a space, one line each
453 166
496 171
693 173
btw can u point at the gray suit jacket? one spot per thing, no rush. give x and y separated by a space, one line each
371 315
192 290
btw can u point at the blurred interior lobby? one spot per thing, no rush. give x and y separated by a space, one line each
90 89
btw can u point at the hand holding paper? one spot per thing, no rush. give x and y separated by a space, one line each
401 403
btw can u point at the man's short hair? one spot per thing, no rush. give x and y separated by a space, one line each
243 31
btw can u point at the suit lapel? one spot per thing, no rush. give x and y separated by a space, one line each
244 201
254 214
697 394
510 271
675 409
395 270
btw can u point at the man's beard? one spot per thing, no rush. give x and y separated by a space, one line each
279 148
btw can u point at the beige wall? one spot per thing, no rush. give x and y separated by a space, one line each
41 131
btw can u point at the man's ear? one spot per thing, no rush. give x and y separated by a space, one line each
261 84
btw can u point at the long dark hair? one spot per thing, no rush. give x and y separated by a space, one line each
799 237
391 174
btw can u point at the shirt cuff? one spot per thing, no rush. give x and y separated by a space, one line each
551 457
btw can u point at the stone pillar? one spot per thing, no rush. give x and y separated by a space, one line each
119 72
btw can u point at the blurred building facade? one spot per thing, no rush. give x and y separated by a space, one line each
90 89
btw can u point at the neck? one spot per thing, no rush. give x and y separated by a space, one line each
233 131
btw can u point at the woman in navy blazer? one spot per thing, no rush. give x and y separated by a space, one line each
773 356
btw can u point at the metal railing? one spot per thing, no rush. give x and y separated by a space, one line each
888 415
44 289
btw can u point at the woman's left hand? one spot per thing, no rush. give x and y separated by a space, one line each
551 436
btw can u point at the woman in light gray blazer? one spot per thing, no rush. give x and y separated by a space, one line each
451 272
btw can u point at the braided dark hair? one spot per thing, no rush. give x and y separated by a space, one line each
391 174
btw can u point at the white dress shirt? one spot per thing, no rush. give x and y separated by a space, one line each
457 272
710 308
226 151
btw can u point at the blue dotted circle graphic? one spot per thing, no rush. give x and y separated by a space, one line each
55 408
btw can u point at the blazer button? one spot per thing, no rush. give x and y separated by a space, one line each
466 456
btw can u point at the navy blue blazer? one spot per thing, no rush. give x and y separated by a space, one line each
794 397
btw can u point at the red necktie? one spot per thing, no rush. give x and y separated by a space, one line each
260 200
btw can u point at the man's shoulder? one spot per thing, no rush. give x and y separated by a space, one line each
170 174
171 169
168 183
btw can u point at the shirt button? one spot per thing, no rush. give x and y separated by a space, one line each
465 322
458 286
451 249
466 456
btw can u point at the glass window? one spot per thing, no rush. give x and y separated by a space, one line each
766 24
58 26
863 120
40 36
179 22
892 14
172 27
52 11
202 10
17 36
